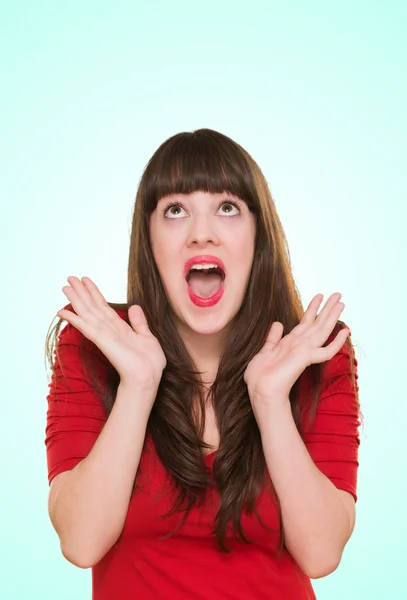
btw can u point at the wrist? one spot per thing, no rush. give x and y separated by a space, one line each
139 387
270 407
273 400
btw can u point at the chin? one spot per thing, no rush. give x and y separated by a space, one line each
205 321
205 330
209 324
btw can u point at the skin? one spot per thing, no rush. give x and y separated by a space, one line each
203 223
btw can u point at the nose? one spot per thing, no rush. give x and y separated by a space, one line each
202 231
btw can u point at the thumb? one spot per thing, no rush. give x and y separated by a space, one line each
138 319
274 335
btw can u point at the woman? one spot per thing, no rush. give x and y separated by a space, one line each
202 439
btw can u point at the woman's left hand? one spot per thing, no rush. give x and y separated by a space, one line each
272 372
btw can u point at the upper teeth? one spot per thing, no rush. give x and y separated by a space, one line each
204 266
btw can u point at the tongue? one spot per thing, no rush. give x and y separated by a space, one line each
203 285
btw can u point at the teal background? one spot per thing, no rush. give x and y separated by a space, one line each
316 92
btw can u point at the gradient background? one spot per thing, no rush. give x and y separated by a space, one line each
316 92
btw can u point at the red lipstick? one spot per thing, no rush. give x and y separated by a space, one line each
198 260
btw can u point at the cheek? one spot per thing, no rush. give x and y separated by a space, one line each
244 248
167 265
244 261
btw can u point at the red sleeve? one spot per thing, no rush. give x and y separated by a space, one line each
75 415
333 439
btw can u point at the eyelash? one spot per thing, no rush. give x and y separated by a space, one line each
231 202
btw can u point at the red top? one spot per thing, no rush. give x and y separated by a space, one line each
188 564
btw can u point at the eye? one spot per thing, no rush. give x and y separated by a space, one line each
170 205
176 204
231 203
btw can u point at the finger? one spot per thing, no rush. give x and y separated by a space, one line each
326 310
77 303
98 299
71 317
323 354
323 331
309 315
138 319
94 292
274 335
79 294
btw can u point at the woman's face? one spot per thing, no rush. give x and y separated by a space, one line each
203 224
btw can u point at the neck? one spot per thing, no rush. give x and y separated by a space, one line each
205 351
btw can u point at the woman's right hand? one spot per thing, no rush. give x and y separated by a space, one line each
134 351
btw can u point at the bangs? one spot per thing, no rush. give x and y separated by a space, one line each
203 160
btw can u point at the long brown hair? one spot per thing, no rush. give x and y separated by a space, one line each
205 160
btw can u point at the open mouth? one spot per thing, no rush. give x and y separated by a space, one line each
205 282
